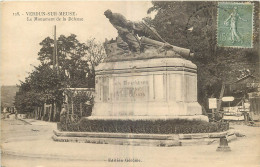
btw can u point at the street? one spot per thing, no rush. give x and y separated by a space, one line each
30 145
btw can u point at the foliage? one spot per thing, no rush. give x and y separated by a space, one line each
196 30
42 85
76 60
74 68
175 126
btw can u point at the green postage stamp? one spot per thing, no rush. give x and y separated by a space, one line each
235 24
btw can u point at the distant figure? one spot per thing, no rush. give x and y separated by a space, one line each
63 114
246 110
233 18
247 105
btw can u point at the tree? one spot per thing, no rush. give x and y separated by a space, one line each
95 55
45 83
76 60
193 25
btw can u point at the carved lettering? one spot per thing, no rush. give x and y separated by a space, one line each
131 90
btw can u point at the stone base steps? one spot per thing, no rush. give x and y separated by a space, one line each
165 140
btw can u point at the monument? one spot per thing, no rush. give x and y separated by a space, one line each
144 77
145 94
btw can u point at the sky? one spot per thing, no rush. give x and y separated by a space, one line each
20 37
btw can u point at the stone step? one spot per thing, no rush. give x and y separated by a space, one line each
143 136
116 135
119 141
166 140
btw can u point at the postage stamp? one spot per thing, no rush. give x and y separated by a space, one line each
235 25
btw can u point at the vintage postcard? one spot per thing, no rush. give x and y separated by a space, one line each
130 83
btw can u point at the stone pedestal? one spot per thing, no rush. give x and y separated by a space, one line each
162 88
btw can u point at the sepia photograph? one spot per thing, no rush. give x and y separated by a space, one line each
130 83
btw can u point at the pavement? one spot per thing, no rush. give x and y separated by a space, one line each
28 143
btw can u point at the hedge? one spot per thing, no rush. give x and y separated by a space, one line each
174 126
